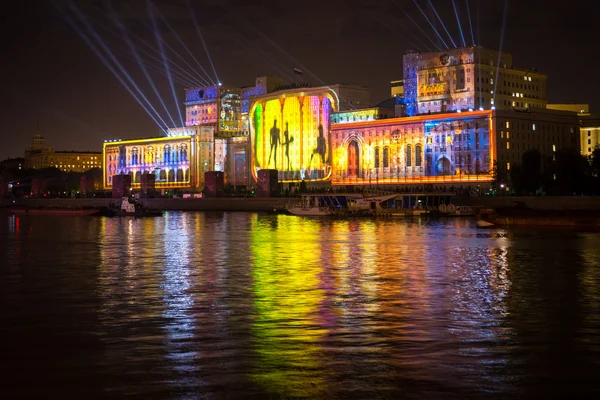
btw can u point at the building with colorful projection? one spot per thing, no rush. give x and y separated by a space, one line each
469 78
457 129
177 162
459 147
290 132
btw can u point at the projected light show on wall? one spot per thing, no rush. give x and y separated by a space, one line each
418 149
291 133
167 158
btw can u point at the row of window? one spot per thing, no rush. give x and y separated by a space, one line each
385 160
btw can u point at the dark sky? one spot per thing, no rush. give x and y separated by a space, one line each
52 77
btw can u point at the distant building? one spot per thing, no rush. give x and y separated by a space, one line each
580 108
40 155
589 133
589 130
469 78
352 97
397 88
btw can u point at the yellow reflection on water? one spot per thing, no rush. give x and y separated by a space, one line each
286 263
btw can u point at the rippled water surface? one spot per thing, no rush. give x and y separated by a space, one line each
246 305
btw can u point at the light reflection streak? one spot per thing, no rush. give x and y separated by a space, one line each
178 302
286 328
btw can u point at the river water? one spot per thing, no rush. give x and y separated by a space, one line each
198 305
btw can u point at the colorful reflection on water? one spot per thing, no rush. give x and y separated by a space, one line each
245 305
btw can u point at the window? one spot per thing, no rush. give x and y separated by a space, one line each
418 155
508 145
508 124
386 157
589 133
533 126
589 141
508 166
408 156
376 157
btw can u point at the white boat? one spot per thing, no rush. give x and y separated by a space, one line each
319 205
372 205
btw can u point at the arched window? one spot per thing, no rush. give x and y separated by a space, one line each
184 152
167 154
386 157
418 156
135 156
376 157
408 155
149 155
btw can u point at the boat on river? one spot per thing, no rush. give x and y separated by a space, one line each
130 208
319 205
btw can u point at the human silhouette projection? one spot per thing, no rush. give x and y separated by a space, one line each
321 147
286 143
274 143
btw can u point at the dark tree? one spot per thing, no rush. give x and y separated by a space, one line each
527 177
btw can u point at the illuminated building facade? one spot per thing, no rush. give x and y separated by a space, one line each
40 155
446 148
466 78
290 132
589 134
176 161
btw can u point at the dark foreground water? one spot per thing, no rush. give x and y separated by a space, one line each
242 305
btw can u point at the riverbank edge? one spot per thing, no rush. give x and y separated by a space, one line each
257 204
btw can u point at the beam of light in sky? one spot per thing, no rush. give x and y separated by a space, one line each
107 63
182 80
415 46
296 62
442 22
114 60
193 15
470 22
418 26
141 64
504 15
202 79
166 64
174 67
459 24
281 69
430 24
157 11
267 58
410 32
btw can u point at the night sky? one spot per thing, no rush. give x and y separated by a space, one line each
52 77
